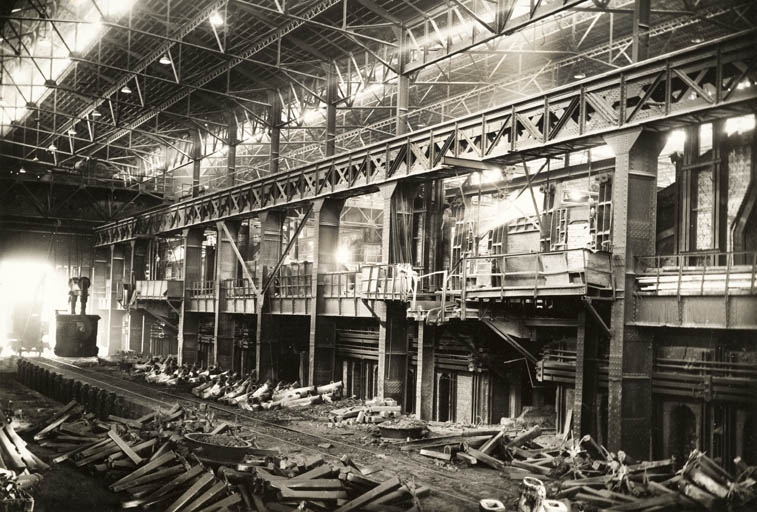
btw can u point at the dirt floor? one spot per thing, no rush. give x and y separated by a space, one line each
64 488
455 486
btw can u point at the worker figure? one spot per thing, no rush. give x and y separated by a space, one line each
84 293
73 293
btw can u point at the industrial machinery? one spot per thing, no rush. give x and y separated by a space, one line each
76 335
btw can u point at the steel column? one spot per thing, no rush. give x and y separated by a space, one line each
321 350
634 212
226 267
188 322
114 332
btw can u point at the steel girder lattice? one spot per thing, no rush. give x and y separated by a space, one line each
658 94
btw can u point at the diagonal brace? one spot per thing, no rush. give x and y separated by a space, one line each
597 317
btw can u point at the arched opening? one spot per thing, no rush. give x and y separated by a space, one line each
682 434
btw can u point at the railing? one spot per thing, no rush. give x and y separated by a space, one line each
158 290
559 366
572 269
336 285
202 289
240 288
700 273
293 281
710 380
387 281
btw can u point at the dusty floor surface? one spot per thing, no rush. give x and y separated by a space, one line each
64 488
455 486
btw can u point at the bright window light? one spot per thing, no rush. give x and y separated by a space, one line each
740 124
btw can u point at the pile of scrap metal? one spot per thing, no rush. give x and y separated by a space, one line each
233 389
376 410
584 473
157 469
317 486
17 466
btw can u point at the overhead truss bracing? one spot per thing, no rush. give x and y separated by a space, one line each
703 82
428 34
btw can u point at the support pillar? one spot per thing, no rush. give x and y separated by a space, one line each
321 360
403 84
642 10
226 266
114 331
396 240
136 272
99 294
231 150
188 322
332 98
274 130
196 161
585 394
269 253
634 204
425 379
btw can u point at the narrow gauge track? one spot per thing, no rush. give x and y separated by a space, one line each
150 395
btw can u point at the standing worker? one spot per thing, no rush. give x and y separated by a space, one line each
73 293
84 284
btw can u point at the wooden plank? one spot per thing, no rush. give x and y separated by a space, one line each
489 446
436 455
191 492
126 421
154 476
367 497
323 483
313 494
317 472
143 470
485 459
204 497
136 459
52 426
176 482
224 504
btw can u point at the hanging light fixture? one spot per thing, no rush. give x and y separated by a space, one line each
126 89
96 113
580 75
215 19
52 148
72 132
165 60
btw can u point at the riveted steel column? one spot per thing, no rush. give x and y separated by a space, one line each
332 98
192 271
196 161
424 387
274 119
392 349
226 266
231 150
403 84
586 379
321 360
634 213
99 299
136 272
114 331
269 252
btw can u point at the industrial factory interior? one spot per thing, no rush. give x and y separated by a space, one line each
378 255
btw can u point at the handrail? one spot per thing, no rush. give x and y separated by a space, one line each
501 272
197 288
697 273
